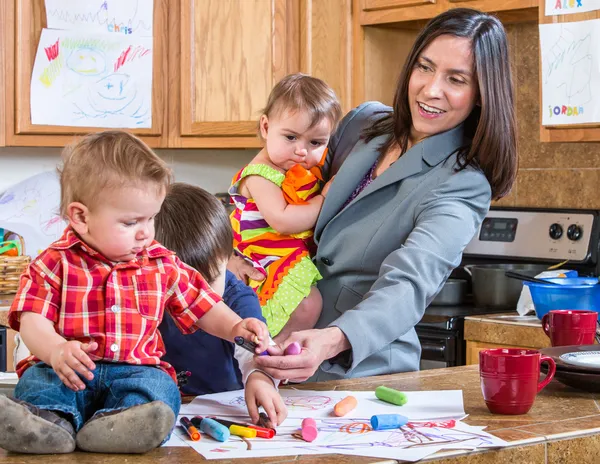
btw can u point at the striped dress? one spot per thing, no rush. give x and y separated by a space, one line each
283 259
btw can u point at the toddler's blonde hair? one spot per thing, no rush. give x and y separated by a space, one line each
108 160
303 92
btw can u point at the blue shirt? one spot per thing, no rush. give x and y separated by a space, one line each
208 358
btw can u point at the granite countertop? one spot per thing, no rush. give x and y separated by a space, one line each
506 329
563 426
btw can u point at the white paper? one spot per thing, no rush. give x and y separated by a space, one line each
420 405
564 7
337 435
31 209
97 80
126 17
570 72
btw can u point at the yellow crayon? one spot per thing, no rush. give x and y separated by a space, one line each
240 431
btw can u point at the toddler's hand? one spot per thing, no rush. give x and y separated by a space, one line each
71 357
254 331
260 391
325 188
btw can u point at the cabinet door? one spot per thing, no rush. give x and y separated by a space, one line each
575 132
228 55
326 45
26 19
388 11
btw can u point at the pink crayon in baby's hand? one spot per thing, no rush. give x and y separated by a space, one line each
293 348
309 429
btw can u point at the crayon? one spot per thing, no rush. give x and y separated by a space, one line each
293 349
344 406
388 421
218 431
309 429
242 431
265 422
261 432
390 395
248 345
190 429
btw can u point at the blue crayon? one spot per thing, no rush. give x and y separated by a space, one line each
218 431
388 421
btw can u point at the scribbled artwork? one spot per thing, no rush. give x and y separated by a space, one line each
564 7
343 435
570 73
30 209
97 80
126 17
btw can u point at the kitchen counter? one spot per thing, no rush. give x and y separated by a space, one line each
503 331
562 427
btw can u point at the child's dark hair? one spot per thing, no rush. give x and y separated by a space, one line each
303 92
194 224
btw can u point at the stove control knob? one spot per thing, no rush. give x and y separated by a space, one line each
574 232
556 231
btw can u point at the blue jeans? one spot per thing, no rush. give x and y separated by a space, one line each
114 386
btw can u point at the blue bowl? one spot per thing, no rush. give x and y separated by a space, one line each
572 293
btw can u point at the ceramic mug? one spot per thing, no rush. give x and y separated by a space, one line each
570 327
510 378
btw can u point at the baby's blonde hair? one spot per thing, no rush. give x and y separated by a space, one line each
108 160
303 92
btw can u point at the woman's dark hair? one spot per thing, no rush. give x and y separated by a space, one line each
194 224
491 127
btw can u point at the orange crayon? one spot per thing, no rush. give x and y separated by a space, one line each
344 406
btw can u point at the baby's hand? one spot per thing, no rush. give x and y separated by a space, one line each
71 357
326 187
260 391
254 331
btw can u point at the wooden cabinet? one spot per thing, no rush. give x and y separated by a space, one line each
22 23
214 64
567 133
395 11
228 55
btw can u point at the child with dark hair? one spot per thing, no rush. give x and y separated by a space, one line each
194 224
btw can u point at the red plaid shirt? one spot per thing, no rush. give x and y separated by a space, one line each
117 305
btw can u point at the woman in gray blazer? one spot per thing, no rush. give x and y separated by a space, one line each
416 182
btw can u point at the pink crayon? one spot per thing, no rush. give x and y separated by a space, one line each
293 348
309 429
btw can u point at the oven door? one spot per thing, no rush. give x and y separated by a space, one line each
440 349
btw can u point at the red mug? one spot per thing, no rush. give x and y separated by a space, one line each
570 327
510 378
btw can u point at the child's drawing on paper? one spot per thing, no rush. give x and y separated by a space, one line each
30 209
92 80
101 16
570 71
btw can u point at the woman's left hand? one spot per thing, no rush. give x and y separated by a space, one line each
317 346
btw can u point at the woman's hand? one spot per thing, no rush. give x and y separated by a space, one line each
243 270
260 391
317 346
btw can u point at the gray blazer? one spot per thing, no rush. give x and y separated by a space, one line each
386 255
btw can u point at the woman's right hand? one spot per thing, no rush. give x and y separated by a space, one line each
243 270
317 346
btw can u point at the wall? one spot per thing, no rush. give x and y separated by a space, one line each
211 169
550 174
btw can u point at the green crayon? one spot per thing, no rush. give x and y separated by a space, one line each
389 395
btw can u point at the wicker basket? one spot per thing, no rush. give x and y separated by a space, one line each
11 268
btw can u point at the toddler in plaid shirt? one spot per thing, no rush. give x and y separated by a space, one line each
88 308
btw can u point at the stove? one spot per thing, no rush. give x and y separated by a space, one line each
510 235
